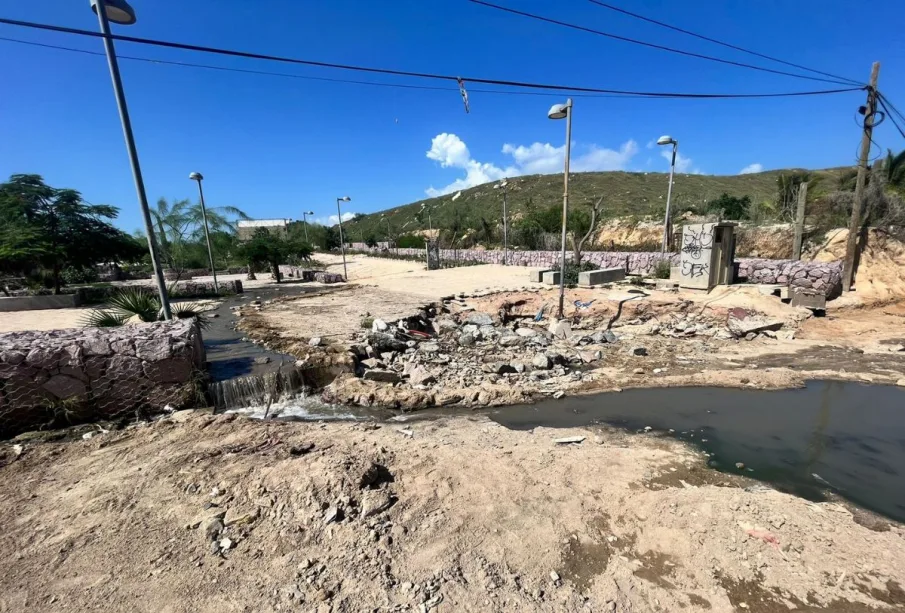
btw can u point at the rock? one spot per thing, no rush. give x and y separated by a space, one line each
374 502
569 440
751 336
511 340
554 576
638 371
657 371
561 330
498 368
638 351
467 340
213 527
262 360
741 324
381 376
226 544
590 356
480 319
526 332
378 325
740 465
421 376
381 342
372 363
333 514
901 382
429 347
518 366
447 323
315 341
559 394
388 356
542 362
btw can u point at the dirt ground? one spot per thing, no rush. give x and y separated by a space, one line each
218 513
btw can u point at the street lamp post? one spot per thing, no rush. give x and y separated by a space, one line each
197 176
667 223
305 221
564 111
342 243
389 232
504 185
119 11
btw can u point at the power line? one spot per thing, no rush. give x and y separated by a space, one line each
892 106
719 42
652 45
422 75
889 115
306 77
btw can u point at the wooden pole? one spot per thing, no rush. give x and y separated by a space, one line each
799 220
854 226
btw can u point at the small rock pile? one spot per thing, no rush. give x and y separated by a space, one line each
436 358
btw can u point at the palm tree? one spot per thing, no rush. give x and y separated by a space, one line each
182 222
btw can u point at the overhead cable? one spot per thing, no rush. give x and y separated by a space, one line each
652 45
421 75
719 42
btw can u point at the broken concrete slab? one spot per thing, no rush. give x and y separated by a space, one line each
590 278
381 376
743 326
667 285
480 319
561 329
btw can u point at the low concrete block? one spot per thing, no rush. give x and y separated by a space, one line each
809 300
590 278
37 303
551 277
537 276
667 285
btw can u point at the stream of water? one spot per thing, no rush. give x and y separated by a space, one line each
843 437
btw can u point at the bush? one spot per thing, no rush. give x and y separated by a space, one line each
79 276
410 241
662 269
572 271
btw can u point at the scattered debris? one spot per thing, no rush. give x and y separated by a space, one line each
569 440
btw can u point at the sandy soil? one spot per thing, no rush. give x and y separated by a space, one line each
225 514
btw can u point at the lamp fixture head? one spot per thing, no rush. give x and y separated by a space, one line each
667 140
196 176
118 11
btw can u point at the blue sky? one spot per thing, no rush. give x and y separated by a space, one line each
275 146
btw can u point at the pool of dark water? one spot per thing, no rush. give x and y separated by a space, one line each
839 437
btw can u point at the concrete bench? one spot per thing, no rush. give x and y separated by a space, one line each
37 303
537 276
590 278
551 277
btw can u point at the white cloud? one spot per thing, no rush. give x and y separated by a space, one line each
751 168
332 220
537 158
683 164
651 144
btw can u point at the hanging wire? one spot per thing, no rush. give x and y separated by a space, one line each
653 45
719 42
507 83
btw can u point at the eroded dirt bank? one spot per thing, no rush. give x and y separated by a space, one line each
218 513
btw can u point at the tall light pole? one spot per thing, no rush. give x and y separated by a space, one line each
389 232
305 221
564 111
119 11
197 176
504 185
667 223
342 243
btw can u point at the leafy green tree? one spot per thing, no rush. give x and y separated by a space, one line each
371 241
180 229
265 249
55 228
731 207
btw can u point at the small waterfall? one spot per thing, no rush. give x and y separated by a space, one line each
258 390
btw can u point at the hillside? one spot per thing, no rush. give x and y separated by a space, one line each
627 194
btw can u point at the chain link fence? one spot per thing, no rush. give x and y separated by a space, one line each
63 377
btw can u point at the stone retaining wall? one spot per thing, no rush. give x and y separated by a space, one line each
823 277
59 377
818 276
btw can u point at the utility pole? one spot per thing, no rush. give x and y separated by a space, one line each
854 226
799 220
